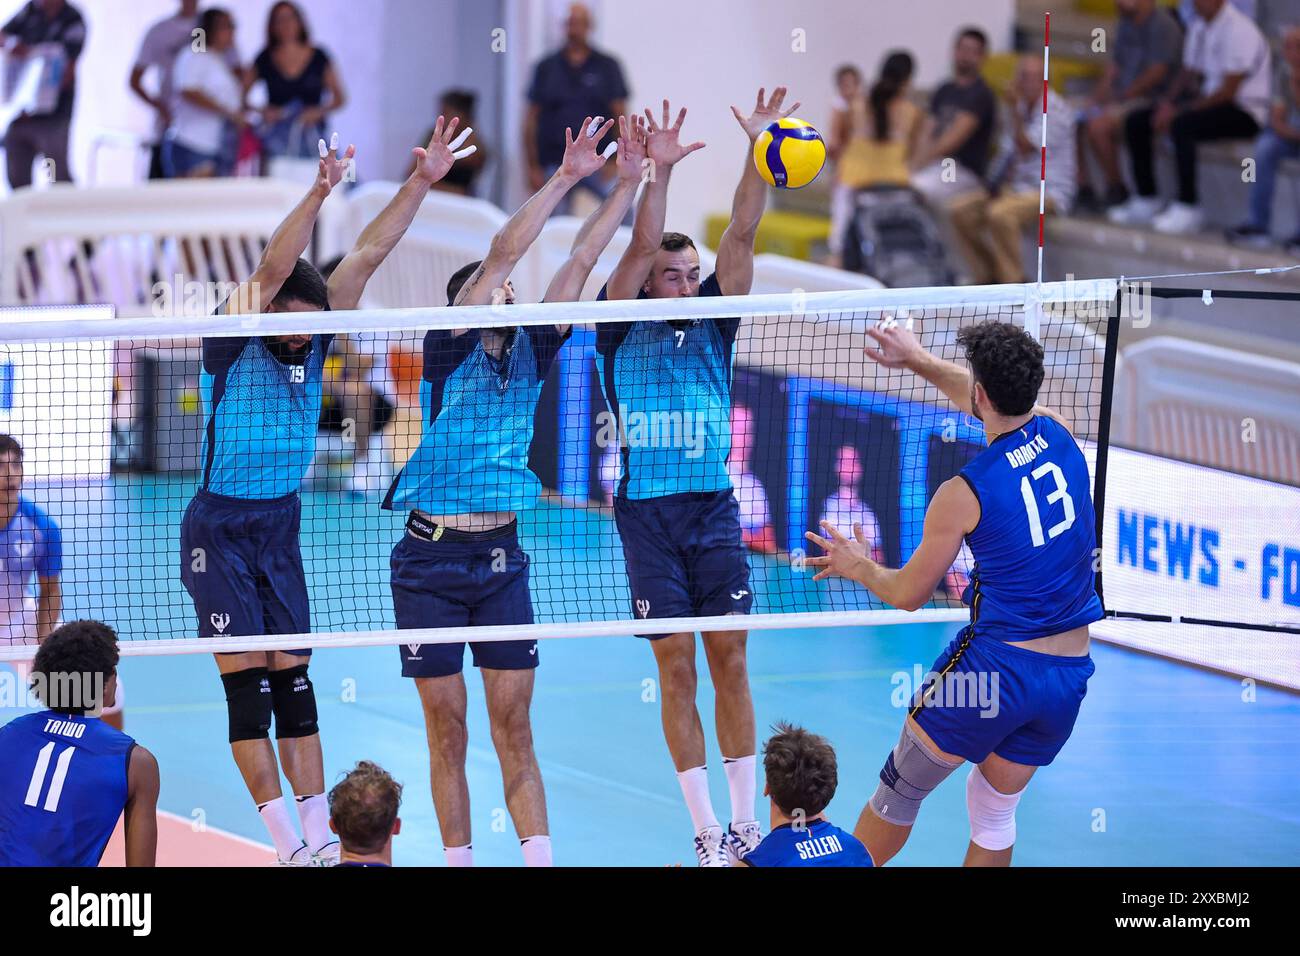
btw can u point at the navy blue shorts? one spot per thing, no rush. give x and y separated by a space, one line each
684 555
992 697
242 565
462 580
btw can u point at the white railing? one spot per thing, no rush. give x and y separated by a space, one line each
1170 400
64 245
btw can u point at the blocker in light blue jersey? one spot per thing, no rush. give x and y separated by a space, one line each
262 413
820 843
478 424
240 556
63 788
1033 577
669 386
31 547
1035 540
472 459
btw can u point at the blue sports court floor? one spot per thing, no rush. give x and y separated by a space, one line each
1168 765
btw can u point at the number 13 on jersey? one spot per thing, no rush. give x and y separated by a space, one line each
1059 493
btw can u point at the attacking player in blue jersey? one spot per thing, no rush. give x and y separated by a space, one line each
31 557
674 506
68 776
1008 688
240 557
31 565
459 563
802 776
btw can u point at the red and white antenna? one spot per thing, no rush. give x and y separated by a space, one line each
1035 317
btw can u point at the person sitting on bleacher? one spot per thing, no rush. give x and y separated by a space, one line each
988 223
1144 59
1281 140
960 126
1221 92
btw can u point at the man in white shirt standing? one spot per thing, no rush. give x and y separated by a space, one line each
1222 92
162 43
209 97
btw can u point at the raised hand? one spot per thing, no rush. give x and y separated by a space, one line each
662 140
898 345
765 113
844 557
434 161
580 156
332 165
631 147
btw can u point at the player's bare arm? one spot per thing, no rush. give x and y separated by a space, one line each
291 236
953 512
664 151
899 348
140 816
49 605
735 266
601 225
581 159
431 164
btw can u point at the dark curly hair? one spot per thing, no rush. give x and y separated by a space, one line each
801 770
1007 361
79 651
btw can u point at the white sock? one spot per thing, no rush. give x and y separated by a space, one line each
275 814
741 783
314 812
537 850
695 788
459 855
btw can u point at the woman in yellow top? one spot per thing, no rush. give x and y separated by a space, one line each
873 139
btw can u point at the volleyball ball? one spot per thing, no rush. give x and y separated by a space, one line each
789 154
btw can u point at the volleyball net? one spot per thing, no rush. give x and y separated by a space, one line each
117 424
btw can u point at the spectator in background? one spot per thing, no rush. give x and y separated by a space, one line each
962 112
298 76
881 130
848 90
756 528
363 812
459 105
208 103
844 507
357 388
989 223
1144 59
47 27
162 43
571 84
1281 140
1221 92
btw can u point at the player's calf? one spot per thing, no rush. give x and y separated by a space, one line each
911 772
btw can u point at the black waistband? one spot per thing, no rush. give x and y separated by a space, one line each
247 504
421 525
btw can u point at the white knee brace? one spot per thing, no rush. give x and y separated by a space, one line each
992 813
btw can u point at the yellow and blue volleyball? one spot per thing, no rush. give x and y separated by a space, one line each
789 154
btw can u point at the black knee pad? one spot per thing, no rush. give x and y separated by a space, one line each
248 702
294 701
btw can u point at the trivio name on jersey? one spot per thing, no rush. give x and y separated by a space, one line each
1019 457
